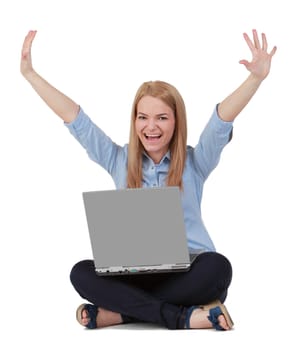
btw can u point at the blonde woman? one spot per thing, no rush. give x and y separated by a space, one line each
158 155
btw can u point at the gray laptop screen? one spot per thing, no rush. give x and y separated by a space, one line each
136 227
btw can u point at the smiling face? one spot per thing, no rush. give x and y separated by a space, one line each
154 125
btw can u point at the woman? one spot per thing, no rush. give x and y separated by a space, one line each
157 155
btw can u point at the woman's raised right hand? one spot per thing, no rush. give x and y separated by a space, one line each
26 61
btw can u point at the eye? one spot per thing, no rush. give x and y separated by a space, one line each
141 117
162 118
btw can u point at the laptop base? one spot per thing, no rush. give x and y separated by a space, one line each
139 270
122 271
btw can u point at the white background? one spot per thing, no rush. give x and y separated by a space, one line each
98 53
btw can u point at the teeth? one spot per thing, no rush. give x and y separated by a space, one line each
152 135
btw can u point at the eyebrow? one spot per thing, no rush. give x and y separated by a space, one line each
157 115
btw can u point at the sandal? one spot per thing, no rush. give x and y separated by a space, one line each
215 309
92 312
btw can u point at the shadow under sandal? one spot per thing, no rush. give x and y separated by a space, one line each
92 312
215 310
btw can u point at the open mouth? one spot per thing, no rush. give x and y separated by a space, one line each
152 137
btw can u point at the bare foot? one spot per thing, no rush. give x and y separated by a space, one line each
104 318
199 319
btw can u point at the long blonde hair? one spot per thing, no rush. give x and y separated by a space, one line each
169 95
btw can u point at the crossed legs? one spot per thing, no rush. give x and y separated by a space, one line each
159 298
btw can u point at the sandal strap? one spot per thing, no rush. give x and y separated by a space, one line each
213 317
188 315
92 311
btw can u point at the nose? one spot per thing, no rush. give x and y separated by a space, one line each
151 124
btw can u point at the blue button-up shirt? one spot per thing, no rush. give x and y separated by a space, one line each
200 161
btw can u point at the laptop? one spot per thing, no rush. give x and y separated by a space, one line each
136 231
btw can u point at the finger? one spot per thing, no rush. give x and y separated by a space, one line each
264 42
244 62
249 42
256 39
30 37
273 51
28 42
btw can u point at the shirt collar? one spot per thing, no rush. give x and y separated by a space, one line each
166 156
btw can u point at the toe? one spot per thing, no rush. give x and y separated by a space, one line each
222 322
85 318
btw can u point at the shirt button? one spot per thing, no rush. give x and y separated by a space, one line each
152 167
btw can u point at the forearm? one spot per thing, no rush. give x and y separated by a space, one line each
231 106
61 105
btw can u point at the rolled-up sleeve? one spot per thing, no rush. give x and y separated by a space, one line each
215 136
100 148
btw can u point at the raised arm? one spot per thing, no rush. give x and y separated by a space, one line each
62 105
259 68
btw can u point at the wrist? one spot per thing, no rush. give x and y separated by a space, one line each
255 79
30 75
